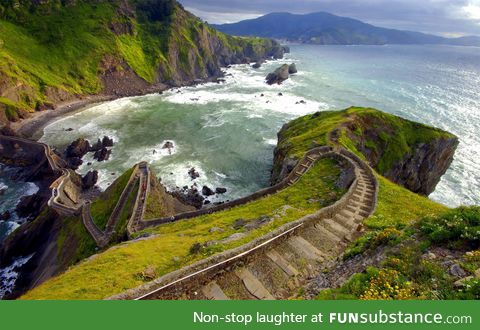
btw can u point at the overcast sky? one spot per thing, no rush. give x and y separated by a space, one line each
443 17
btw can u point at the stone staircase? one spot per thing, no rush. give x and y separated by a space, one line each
277 265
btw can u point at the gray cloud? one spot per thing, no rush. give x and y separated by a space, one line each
445 17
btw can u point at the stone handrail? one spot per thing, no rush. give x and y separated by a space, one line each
221 260
57 186
140 201
102 238
292 178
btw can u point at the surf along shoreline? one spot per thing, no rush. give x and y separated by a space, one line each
32 127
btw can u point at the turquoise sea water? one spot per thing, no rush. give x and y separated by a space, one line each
228 131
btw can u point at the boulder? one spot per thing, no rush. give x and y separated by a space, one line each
74 162
463 282
239 223
457 271
220 190
206 191
292 69
97 146
234 237
279 75
257 65
102 154
5 216
90 180
107 142
168 145
30 206
193 173
78 148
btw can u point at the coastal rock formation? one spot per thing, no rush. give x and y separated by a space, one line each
102 154
190 197
220 191
78 148
90 180
106 142
30 206
292 69
279 75
193 173
206 191
421 156
191 51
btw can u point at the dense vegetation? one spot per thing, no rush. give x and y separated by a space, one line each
412 271
384 137
178 244
103 207
394 222
55 50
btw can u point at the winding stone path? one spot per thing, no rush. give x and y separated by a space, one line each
275 266
103 238
58 200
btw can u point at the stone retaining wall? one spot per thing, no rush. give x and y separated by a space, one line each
325 152
197 272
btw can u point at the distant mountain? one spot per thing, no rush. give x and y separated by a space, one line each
327 29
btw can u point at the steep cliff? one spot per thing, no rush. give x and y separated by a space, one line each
410 154
53 51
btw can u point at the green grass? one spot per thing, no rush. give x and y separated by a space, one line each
406 274
394 136
54 47
119 269
103 207
397 208
120 228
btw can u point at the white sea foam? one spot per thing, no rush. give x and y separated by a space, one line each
9 275
3 186
272 142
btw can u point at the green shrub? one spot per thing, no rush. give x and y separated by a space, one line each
457 227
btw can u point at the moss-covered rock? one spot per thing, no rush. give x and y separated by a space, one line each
411 154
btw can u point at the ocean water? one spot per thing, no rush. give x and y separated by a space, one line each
12 192
228 131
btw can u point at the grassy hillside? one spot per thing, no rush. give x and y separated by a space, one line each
184 242
419 261
52 51
411 154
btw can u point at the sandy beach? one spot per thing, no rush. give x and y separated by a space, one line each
32 127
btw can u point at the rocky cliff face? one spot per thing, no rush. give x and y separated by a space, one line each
112 47
422 169
412 155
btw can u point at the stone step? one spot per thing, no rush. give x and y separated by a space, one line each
360 206
253 285
282 263
335 227
213 292
347 222
349 214
351 208
322 239
305 248
310 158
363 214
329 235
